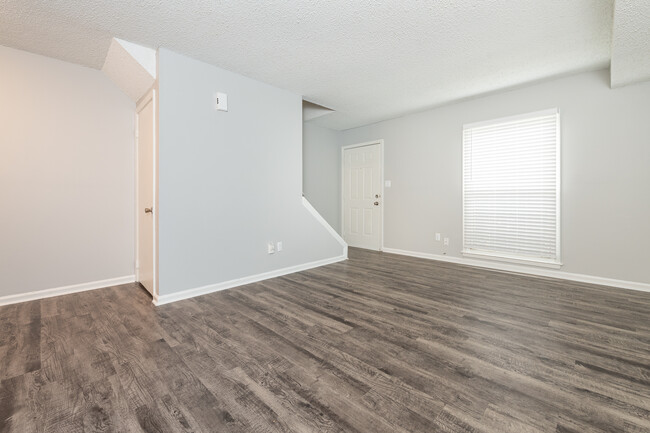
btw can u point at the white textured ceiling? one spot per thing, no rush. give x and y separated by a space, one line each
367 59
631 42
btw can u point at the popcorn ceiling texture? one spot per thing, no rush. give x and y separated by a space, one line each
631 42
367 59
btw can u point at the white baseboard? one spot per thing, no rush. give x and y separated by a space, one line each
506 267
65 290
204 290
312 210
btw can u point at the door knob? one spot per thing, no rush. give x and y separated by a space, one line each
148 210
376 203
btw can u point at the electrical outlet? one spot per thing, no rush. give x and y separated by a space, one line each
446 241
271 247
279 246
438 237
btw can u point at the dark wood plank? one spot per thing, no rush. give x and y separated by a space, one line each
379 343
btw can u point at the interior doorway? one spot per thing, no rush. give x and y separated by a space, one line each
362 194
146 206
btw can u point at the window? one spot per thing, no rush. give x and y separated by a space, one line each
511 188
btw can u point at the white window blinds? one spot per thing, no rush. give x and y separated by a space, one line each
511 187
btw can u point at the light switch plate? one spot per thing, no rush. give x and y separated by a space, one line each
387 183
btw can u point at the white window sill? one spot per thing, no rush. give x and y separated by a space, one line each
510 259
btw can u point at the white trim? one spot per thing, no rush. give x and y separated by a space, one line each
558 187
204 290
512 268
511 259
65 290
325 224
380 142
137 197
149 97
515 118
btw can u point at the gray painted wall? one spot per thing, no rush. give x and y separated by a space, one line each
229 182
322 171
605 172
66 175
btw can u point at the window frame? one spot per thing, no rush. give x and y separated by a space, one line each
512 258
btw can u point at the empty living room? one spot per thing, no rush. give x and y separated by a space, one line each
306 216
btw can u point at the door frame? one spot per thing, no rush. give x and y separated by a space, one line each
150 96
380 142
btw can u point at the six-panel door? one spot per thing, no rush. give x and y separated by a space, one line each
362 196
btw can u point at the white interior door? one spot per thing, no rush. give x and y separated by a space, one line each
145 192
362 199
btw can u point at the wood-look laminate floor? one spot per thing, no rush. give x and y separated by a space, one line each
380 343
